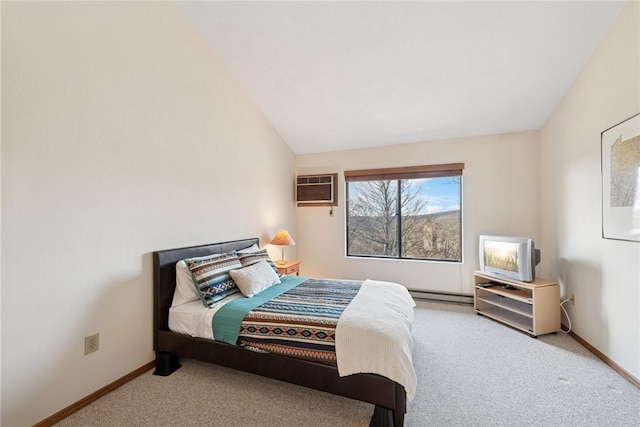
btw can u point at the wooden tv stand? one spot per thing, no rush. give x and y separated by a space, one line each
532 307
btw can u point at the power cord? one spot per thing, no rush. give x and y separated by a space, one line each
567 315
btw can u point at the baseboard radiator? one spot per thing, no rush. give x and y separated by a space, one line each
442 296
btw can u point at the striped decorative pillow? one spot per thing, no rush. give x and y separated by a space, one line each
247 259
211 276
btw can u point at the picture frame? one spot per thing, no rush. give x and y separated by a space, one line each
621 180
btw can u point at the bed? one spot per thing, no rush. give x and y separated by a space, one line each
388 396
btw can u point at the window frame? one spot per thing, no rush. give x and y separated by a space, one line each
398 174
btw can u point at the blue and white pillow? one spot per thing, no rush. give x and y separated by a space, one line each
211 276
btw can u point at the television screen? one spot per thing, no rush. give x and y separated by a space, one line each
501 255
509 257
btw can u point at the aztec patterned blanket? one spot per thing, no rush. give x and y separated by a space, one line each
301 322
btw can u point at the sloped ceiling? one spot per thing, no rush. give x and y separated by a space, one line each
342 75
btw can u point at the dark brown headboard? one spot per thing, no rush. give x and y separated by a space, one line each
164 276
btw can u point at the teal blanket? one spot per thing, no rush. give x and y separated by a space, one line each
227 321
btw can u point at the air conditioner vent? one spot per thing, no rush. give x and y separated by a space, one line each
316 190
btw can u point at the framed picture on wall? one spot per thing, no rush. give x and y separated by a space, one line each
621 181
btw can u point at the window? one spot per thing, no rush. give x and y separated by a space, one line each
413 212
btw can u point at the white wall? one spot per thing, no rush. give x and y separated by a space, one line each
500 190
121 135
603 274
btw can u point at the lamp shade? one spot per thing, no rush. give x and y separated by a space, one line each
283 238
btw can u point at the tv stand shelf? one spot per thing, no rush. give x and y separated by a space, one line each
532 307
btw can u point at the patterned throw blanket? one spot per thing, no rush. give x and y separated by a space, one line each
301 322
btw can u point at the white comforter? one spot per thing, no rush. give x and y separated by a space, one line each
373 334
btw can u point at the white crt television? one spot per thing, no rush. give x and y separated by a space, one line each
509 257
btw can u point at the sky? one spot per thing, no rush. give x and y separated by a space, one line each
441 194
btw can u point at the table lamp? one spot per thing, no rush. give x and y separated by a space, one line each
282 238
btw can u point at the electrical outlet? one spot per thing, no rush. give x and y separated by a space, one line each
573 299
91 343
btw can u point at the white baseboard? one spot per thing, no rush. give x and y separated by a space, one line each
442 296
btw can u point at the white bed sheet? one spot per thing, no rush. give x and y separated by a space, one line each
193 318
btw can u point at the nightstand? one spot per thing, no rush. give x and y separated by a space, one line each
289 267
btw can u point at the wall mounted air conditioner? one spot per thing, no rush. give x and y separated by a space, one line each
317 190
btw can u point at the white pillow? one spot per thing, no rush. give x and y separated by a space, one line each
255 278
251 249
185 291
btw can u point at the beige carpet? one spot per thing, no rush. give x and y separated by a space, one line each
472 371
